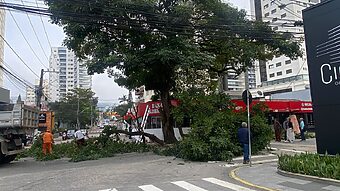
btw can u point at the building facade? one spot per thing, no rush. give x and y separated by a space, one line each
283 74
66 73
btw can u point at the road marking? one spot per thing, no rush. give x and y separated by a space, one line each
149 188
188 186
233 175
226 184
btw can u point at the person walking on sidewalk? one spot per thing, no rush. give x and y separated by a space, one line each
47 142
243 137
290 131
302 129
277 129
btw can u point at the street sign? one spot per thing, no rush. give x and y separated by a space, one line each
42 118
244 97
322 29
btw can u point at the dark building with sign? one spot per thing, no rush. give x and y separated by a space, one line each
322 30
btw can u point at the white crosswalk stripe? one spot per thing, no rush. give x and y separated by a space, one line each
226 184
188 186
149 188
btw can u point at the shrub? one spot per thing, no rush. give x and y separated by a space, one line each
214 127
311 164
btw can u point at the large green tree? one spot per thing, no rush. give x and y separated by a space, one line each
155 42
67 110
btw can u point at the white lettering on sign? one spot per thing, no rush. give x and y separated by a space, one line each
330 74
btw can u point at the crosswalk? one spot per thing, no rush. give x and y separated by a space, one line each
184 185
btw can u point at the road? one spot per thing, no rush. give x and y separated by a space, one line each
150 172
128 172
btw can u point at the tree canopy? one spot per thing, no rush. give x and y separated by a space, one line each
66 109
158 43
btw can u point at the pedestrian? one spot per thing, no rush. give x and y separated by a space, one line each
47 142
302 129
277 129
80 138
243 137
285 128
290 131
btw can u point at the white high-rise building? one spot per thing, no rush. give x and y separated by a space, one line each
282 74
69 73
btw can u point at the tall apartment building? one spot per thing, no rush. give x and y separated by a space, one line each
2 32
282 74
69 73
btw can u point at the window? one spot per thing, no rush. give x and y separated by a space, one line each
266 6
278 64
266 15
279 73
274 19
275 28
271 66
283 15
289 71
272 75
288 62
273 11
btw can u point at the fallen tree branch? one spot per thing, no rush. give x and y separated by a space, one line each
152 137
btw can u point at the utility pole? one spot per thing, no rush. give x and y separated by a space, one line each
78 123
246 75
91 113
39 90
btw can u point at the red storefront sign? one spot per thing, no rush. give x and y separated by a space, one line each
280 106
154 107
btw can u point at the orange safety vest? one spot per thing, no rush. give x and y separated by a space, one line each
48 137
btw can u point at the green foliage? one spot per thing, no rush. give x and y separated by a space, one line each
66 109
312 164
214 127
166 46
94 149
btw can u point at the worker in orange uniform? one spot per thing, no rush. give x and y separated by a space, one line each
47 142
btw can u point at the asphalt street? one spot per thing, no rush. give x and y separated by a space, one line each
127 172
150 172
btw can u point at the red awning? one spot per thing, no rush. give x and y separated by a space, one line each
153 106
280 106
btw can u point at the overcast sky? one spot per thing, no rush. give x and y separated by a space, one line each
103 86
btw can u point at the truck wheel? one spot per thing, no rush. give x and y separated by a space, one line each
8 159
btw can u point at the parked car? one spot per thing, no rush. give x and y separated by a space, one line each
70 134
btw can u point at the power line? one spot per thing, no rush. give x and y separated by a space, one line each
35 33
22 34
42 22
95 19
18 56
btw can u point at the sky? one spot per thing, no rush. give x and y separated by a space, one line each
104 87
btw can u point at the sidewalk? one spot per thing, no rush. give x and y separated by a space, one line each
265 175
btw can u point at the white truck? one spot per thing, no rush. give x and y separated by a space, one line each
16 121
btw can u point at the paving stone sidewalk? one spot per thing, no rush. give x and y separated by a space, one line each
266 175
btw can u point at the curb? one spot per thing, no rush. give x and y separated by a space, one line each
309 177
233 175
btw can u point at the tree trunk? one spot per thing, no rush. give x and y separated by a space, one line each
150 136
168 128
